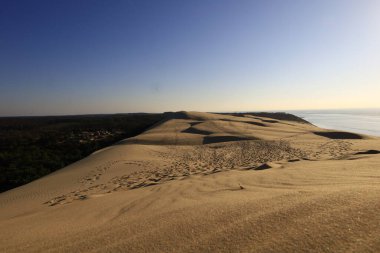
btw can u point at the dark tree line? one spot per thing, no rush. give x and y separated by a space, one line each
32 147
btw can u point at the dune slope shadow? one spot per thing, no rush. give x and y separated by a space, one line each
339 135
368 152
264 166
270 121
247 122
192 130
255 123
216 139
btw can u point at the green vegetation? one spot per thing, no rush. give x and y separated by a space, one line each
31 147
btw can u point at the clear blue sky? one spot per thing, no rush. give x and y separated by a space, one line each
88 56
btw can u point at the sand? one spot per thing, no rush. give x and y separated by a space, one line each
201 182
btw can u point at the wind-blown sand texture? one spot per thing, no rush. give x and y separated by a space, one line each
201 182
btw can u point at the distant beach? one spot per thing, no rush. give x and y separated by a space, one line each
358 121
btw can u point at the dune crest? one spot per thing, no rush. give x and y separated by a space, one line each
202 182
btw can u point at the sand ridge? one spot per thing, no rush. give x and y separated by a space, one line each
201 182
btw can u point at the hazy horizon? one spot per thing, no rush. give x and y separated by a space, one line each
100 57
291 111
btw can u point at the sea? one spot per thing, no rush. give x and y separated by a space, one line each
364 121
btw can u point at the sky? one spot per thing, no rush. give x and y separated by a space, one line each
88 56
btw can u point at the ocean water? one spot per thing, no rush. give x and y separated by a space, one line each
357 121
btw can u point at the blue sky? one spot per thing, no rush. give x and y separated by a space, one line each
77 56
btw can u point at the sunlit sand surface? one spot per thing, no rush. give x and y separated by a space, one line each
201 182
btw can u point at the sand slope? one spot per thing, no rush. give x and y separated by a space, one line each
202 182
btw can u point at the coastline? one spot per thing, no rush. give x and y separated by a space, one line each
357 121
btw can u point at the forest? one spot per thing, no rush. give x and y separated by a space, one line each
32 147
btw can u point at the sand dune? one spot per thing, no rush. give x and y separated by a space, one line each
201 182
